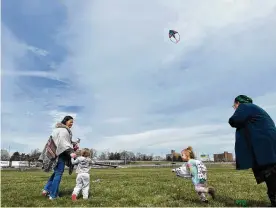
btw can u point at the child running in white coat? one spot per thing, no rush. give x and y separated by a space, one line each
83 178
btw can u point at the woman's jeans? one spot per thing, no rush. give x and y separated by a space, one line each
52 185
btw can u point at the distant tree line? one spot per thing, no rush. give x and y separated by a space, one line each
17 156
123 155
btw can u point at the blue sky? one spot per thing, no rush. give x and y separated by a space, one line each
112 67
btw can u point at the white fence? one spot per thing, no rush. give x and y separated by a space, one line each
5 163
14 164
18 164
110 162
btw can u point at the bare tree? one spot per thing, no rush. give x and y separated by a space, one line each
93 153
5 156
111 156
103 156
150 157
15 156
127 156
139 156
114 156
34 155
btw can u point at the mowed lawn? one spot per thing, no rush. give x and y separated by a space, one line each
153 187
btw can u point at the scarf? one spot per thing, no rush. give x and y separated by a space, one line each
53 148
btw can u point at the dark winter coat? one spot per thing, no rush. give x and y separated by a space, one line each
255 137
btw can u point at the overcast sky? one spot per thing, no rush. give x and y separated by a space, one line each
111 66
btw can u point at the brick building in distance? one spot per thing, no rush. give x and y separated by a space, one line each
224 157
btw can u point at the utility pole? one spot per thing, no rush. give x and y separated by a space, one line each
10 162
19 162
125 157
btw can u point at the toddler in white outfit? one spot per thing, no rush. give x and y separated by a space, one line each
83 178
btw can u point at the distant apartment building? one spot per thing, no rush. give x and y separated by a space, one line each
173 156
224 157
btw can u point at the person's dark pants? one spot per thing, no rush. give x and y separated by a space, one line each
271 187
267 174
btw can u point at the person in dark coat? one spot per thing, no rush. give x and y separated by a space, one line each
255 145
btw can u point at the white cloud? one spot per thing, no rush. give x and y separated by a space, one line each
38 51
140 91
25 119
44 74
58 115
196 136
117 120
137 47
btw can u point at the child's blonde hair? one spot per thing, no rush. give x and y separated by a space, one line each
189 152
85 152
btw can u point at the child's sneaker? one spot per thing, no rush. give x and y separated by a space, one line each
74 197
45 193
211 191
203 198
205 201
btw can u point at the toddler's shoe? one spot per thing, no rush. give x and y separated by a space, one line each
212 192
205 201
74 197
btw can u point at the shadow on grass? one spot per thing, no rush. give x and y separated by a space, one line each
68 193
227 202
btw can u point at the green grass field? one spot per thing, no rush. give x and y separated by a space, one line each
154 187
154 162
